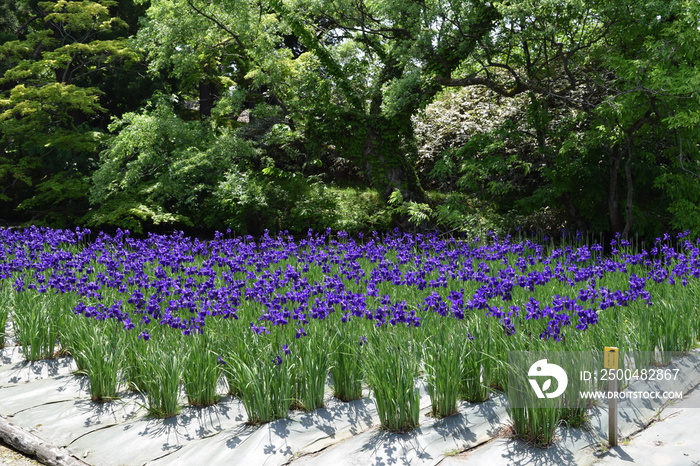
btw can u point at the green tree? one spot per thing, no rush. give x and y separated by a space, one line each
606 96
53 63
345 75
627 70
159 168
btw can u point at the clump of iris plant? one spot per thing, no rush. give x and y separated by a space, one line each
276 314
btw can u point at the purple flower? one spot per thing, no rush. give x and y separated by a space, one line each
258 329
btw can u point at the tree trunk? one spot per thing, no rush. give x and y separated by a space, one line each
386 161
613 195
206 97
629 219
573 211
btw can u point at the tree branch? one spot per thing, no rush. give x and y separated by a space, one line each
32 445
213 19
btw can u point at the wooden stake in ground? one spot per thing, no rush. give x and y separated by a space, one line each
611 362
31 445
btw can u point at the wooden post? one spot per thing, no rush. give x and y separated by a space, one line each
611 362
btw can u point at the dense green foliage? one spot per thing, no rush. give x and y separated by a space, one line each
66 66
290 114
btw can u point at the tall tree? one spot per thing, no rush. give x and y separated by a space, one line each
346 74
381 58
57 56
624 67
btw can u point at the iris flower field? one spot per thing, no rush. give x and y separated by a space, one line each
279 320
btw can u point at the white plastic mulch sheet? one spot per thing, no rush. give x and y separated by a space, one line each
47 399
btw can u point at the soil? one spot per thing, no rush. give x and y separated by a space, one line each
9 457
